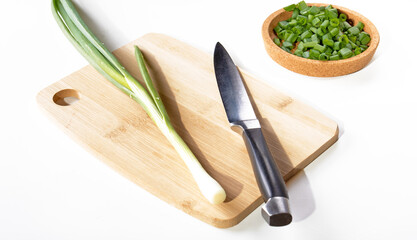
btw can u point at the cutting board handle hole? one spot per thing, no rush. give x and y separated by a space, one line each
66 97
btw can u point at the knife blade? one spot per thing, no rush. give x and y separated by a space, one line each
242 118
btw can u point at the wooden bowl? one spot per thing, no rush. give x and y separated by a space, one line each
319 68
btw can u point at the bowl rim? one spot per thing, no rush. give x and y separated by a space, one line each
268 40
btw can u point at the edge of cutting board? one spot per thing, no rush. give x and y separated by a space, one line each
67 118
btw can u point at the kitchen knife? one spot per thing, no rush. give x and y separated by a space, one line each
242 118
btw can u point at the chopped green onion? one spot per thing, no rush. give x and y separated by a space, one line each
302 5
323 56
314 31
291 38
302 19
281 34
328 51
321 32
345 53
292 23
277 29
287 45
277 41
286 49
334 22
306 34
283 24
354 30
305 11
334 31
346 25
334 57
289 8
309 44
298 52
336 46
320 48
342 17
314 10
316 22
315 38
314 53
331 13
107 64
297 29
364 38
300 46
328 42
324 24
295 13
360 25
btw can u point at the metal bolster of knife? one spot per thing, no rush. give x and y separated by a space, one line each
240 126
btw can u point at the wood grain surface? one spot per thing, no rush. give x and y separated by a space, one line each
116 130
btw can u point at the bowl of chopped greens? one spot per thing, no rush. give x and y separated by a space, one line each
320 40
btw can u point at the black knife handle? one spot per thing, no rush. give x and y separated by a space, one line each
269 179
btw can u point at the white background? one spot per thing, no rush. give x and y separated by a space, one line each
363 187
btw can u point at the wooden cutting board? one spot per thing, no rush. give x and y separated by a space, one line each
116 130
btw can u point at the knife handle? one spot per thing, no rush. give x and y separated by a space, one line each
271 184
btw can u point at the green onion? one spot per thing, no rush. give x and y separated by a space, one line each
291 38
325 24
306 34
334 31
328 42
300 46
334 22
314 10
320 48
364 38
277 29
336 46
334 57
323 56
302 20
106 63
360 25
302 5
314 54
277 41
314 31
287 45
289 8
309 44
346 25
298 52
295 13
316 22
354 30
342 17
345 53
283 24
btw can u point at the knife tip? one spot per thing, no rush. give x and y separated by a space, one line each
218 45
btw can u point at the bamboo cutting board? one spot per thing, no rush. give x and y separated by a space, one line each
116 130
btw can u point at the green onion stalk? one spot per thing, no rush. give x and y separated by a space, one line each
107 64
